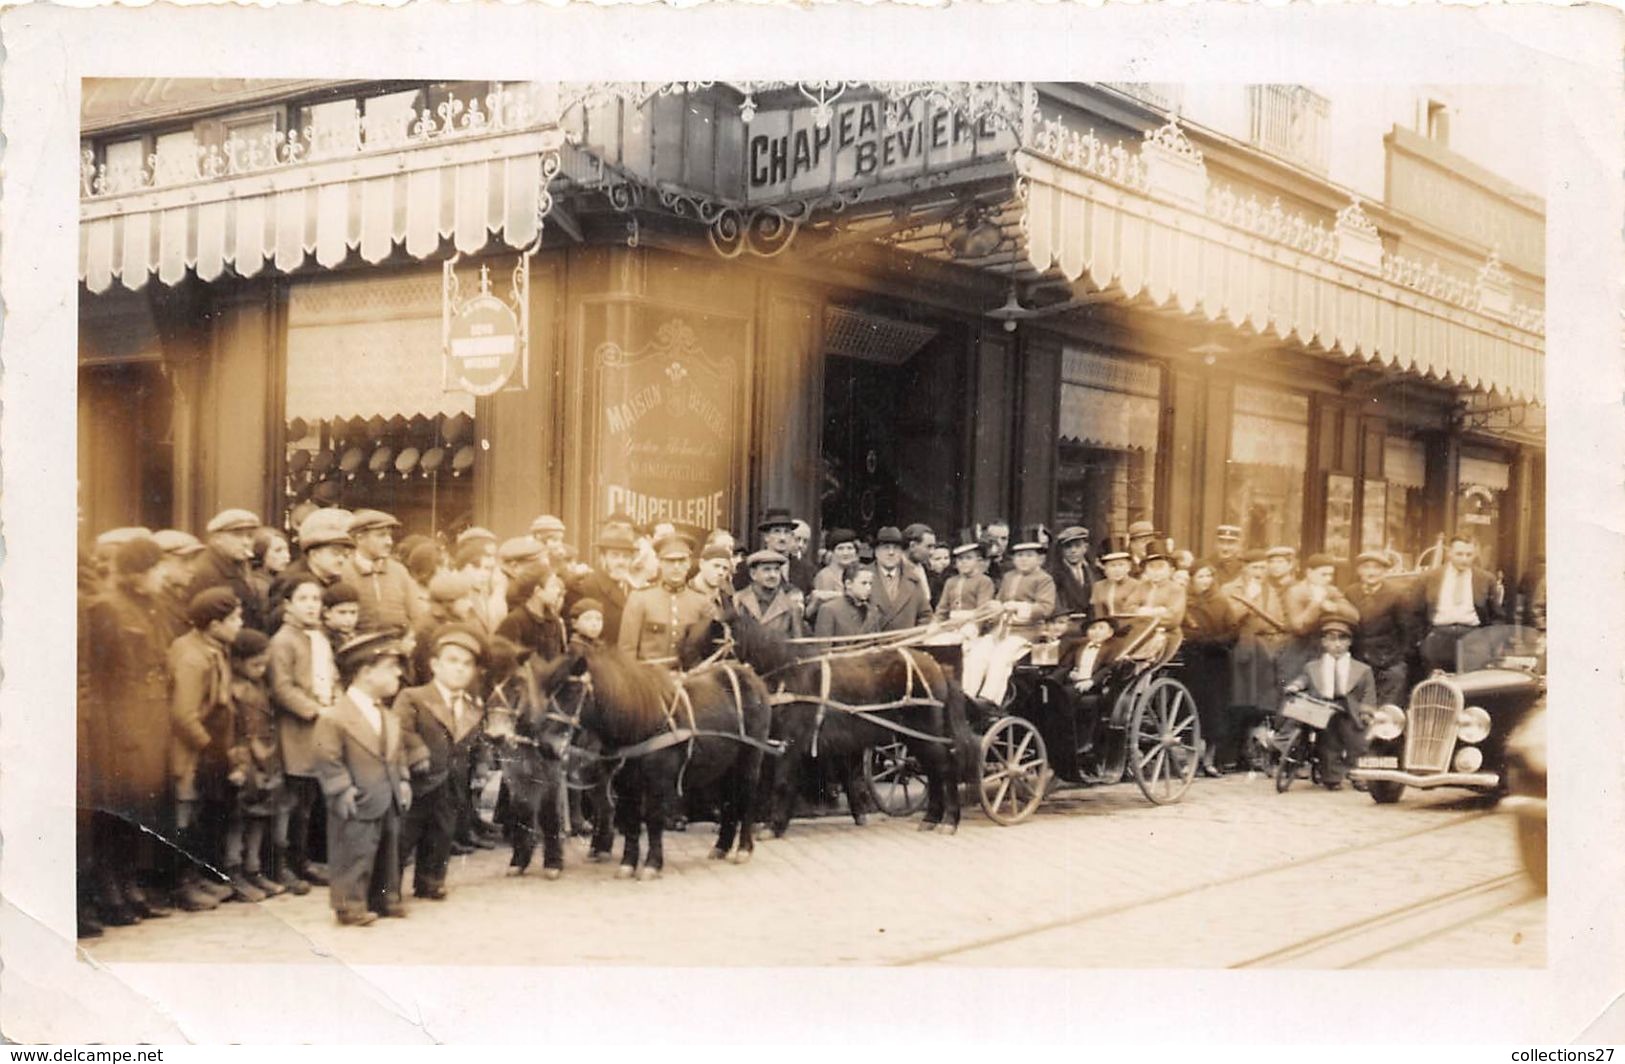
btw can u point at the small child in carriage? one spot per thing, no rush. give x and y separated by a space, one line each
1335 676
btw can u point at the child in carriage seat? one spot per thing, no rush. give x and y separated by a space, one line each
1337 676
1085 666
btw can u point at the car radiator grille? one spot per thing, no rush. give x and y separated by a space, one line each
1430 734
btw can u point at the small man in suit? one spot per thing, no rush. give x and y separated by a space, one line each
1085 666
852 613
361 763
1459 597
899 597
440 723
1074 573
1336 676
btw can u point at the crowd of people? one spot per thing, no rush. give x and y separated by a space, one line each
262 714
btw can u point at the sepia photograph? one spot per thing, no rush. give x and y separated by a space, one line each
569 540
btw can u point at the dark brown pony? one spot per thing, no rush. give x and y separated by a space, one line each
719 715
867 678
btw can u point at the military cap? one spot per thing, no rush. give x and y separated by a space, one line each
519 549
714 551
586 605
765 557
916 531
1281 552
1228 533
1033 537
367 520
174 541
888 534
546 523
1141 530
325 526
233 521
968 541
614 537
475 532
250 643
1317 561
210 605
674 546
1071 534
369 647
137 555
1381 557
775 517
1336 624
449 587
837 536
458 635
338 593
1257 554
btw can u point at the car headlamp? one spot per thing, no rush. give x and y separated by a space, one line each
1469 759
1387 722
1473 725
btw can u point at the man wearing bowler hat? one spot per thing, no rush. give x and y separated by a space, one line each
658 616
224 562
767 602
610 582
1389 624
778 533
361 763
386 593
1227 563
898 598
1073 572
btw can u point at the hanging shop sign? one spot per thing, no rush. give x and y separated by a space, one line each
665 430
484 337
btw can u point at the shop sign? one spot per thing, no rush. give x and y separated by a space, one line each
788 153
665 428
483 337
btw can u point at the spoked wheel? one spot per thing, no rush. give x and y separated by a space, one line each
1165 741
1015 771
895 780
1294 752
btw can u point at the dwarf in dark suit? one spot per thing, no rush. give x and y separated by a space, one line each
1074 573
361 763
1336 676
767 603
611 582
440 724
852 613
899 596
1387 628
1458 597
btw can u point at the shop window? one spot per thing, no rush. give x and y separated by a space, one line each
1269 452
1404 464
1106 467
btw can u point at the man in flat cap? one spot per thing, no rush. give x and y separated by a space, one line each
658 616
549 531
713 577
611 581
767 601
1227 563
361 762
324 545
1335 676
1281 566
778 532
1389 624
1073 572
181 550
387 594
898 598
440 725
201 735
225 563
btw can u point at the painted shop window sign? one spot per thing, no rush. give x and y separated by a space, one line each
666 431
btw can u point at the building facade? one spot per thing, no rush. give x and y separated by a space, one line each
872 303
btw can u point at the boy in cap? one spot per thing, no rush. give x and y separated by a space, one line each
1335 676
1389 624
386 594
969 589
440 724
766 601
256 773
201 738
341 611
852 613
361 763
225 562
657 616
586 625
304 683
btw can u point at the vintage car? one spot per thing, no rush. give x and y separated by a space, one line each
1454 732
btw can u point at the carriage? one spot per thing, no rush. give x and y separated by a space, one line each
1141 724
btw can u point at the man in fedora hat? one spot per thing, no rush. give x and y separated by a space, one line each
1074 574
658 616
969 589
1335 676
610 582
225 562
386 593
766 601
899 598
1027 595
1389 624
778 533
1141 536
360 759
1227 563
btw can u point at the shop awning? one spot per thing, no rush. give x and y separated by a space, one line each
1148 225
466 191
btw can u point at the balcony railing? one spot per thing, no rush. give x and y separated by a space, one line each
1291 121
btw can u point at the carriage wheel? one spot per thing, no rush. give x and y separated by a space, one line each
1165 741
895 780
1015 771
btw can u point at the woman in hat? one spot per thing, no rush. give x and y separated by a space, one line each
1209 629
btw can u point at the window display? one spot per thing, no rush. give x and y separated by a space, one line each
1106 468
1269 452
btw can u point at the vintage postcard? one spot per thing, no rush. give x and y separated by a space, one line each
855 504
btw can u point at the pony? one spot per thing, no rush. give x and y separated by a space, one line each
933 710
664 731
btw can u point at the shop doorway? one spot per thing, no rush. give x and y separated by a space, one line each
126 447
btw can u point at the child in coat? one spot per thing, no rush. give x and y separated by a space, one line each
258 812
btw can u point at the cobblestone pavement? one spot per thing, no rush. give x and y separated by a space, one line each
1235 875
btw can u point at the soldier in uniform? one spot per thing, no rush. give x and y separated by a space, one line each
1027 594
385 591
1074 574
1227 563
225 563
1387 628
657 616
610 582
768 602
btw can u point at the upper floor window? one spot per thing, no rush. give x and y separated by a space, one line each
1291 121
